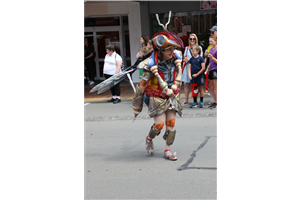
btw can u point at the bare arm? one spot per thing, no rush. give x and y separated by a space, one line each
213 58
119 64
138 54
207 68
189 70
201 71
89 55
205 54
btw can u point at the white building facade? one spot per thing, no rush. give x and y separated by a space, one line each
110 22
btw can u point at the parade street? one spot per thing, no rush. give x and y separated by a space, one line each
116 165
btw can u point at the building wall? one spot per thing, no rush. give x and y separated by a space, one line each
132 9
174 6
145 19
134 22
153 7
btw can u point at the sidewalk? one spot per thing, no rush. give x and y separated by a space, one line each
126 93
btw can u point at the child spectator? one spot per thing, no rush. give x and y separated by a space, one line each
149 45
196 69
212 68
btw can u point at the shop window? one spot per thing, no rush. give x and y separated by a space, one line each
184 23
107 38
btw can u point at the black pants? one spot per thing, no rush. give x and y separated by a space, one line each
115 91
90 66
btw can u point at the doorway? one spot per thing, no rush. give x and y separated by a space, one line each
115 32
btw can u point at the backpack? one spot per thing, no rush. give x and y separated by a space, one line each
122 67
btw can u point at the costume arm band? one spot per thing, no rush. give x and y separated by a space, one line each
178 78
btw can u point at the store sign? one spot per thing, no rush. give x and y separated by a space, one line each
205 5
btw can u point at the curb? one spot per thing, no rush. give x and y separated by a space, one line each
101 99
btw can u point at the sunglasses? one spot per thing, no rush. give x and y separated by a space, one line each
212 32
192 39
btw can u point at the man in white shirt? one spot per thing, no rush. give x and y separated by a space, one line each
112 66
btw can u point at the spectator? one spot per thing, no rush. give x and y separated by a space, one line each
185 75
89 60
196 69
112 66
213 31
142 51
212 68
144 40
149 45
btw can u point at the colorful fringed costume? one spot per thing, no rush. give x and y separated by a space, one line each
159 88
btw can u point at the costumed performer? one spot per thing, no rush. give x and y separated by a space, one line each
159 88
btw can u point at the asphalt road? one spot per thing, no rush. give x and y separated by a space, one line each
118 167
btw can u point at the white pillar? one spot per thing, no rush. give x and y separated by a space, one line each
135 33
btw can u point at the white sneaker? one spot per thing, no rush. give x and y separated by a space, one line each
91 83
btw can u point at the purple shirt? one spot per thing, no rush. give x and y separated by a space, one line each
213 65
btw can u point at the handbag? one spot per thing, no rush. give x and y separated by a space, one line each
194 87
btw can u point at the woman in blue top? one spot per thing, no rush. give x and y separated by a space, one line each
185 75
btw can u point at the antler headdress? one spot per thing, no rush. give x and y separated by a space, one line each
164 26
165 39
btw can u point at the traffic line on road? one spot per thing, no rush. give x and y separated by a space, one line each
86 104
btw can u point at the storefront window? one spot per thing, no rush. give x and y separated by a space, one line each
184 23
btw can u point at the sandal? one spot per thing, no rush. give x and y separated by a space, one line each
210 103
170 156
185 102
149 146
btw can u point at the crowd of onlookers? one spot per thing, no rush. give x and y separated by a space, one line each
194 67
